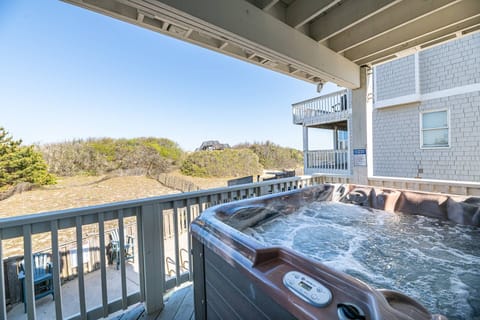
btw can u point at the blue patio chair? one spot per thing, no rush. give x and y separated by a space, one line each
115 247
42 277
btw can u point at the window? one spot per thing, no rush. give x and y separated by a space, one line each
434 129
342 137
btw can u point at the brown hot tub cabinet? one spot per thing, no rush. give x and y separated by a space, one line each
236 277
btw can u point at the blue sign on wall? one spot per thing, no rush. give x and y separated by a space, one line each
360 157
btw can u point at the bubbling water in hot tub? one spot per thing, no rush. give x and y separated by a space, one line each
433 261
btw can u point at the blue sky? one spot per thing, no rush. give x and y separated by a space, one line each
67 73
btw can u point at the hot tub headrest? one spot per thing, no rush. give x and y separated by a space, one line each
459 209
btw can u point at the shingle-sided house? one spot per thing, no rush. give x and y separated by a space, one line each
424 121
426 113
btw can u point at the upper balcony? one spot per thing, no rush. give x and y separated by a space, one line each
328 108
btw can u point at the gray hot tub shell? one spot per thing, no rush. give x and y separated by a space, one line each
235 277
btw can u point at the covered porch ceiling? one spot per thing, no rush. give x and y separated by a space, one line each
313 40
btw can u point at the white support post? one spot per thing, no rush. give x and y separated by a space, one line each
360 127
305 149
153 263
369 111
335 138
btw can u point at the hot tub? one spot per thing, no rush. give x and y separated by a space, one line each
240 274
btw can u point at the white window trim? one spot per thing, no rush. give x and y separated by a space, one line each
407 99
448 128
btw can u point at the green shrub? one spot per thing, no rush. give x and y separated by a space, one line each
165 148
221 163
272 156
149 156
21 163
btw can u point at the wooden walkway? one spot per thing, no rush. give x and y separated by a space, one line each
178 306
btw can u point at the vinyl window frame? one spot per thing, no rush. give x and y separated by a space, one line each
422 130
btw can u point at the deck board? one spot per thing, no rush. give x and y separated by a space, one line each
133 314
185 308
178 306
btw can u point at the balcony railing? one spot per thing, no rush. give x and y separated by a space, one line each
156 222
324 107
327 161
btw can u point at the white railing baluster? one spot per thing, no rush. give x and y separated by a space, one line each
331 161
80 271
103 263
3 309
57 289
328 161
338 163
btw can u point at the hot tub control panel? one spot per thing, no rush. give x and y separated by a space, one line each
307 289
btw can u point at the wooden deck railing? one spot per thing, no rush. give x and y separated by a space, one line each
321 106
156 221
327 161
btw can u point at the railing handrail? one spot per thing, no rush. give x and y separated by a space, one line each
49 216
322 97
327 150
456 183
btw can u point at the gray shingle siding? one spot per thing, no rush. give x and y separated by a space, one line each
396 130
395 79
396 141
450 65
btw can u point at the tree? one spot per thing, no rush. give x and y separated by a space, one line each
272 156
21 163
221 163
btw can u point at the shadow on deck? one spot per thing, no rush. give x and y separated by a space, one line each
178 306
178 303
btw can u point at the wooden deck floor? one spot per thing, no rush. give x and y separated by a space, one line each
178 306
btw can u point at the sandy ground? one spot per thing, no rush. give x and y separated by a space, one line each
204 183
74 192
